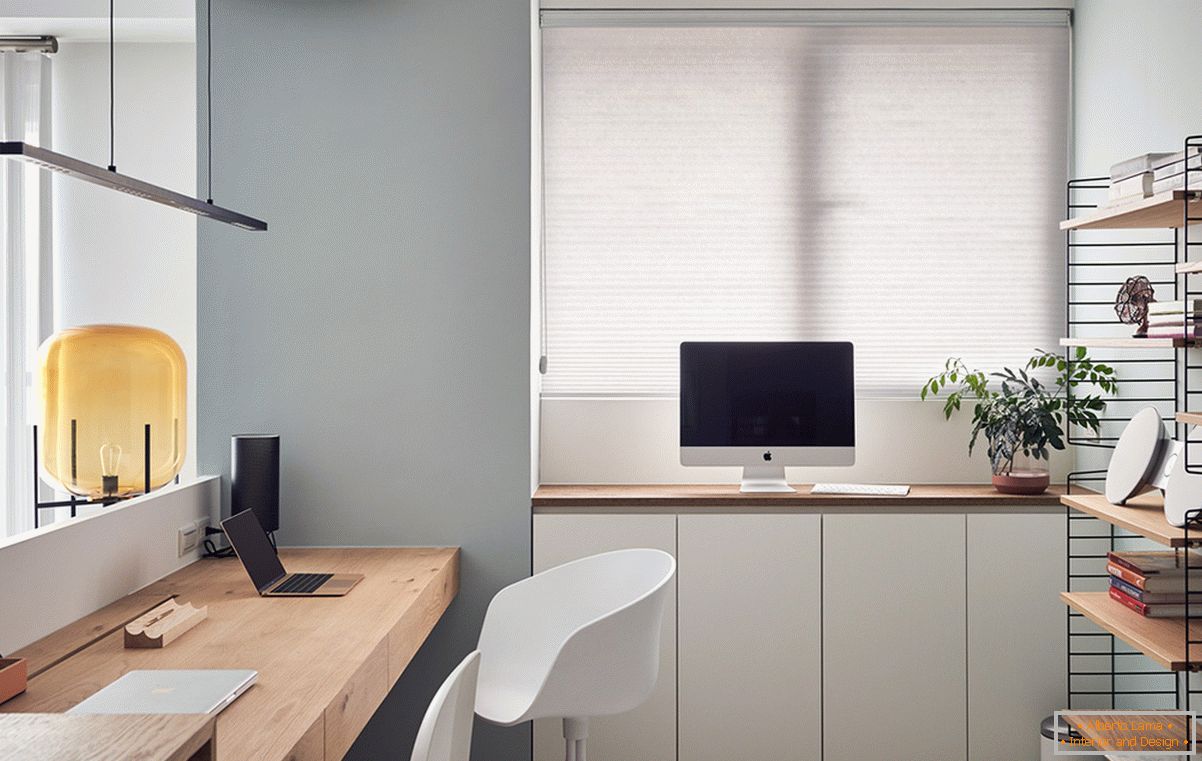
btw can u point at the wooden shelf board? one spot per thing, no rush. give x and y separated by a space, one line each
1164 209
1161 639
1143 514
1119 342
1188 267
1190 418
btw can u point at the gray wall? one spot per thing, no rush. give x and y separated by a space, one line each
381 325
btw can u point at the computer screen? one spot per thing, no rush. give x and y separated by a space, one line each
254 549
776 399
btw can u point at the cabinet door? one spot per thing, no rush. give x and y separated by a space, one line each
648 733
750 643
894 637
1016 639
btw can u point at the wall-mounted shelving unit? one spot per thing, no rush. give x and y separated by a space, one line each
1107 641
1158 211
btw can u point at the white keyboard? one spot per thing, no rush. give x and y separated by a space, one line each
867 490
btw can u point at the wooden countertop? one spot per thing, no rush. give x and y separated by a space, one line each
707 497
58 737
325 664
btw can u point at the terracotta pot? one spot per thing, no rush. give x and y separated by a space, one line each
13 674
1017 482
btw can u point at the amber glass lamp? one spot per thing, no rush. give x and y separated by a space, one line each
101 386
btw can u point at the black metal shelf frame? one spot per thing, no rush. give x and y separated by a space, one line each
1190 244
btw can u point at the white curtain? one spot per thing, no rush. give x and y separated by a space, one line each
895 182
25 271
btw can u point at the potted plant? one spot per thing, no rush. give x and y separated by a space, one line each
1023 416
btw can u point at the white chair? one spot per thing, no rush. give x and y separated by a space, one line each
446 730
576 641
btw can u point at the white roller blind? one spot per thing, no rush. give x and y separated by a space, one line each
896 185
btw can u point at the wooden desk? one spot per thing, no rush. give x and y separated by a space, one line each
325 664
57 737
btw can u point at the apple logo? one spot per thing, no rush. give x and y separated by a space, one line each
767 457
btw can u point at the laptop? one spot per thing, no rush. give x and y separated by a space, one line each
267 573
170 691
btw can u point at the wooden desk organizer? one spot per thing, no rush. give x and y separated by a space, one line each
14 674
163 625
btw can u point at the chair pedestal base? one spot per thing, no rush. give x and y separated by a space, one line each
575 736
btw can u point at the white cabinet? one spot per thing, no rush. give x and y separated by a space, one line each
1016 640
749 617
647 733
837 637
894 630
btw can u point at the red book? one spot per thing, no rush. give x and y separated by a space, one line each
1157 562
1153 583
1150 611
1129 601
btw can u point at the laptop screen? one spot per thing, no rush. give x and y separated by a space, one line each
250 541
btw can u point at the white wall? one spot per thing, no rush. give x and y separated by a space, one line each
118 258
58 574
1136 80
1137 76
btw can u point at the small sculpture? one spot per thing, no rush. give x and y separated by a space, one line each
1131 303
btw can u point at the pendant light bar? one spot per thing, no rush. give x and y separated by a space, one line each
98 175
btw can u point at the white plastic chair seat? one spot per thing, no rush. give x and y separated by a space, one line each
575 641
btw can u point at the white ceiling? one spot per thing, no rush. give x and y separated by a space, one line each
87 20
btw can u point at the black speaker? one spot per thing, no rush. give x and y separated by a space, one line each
255 477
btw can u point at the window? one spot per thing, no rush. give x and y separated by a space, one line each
25 269
890 178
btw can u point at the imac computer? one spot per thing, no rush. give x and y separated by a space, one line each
765 405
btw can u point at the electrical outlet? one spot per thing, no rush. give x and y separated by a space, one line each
186 538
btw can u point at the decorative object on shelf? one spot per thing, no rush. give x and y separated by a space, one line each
14 676
1183 492
1140 457
163 625
1145 162
113 410
1131 303
1025 417
255 477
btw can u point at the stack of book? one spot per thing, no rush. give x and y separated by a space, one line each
1175 319
1153 583
1152 173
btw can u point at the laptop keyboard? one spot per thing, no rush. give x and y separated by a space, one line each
302 583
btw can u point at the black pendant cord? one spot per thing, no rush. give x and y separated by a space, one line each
112 96
209 89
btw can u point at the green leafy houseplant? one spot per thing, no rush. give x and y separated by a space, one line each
1022 414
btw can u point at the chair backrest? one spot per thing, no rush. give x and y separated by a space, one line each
446 730
577 640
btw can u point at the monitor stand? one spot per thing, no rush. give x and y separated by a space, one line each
765 478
